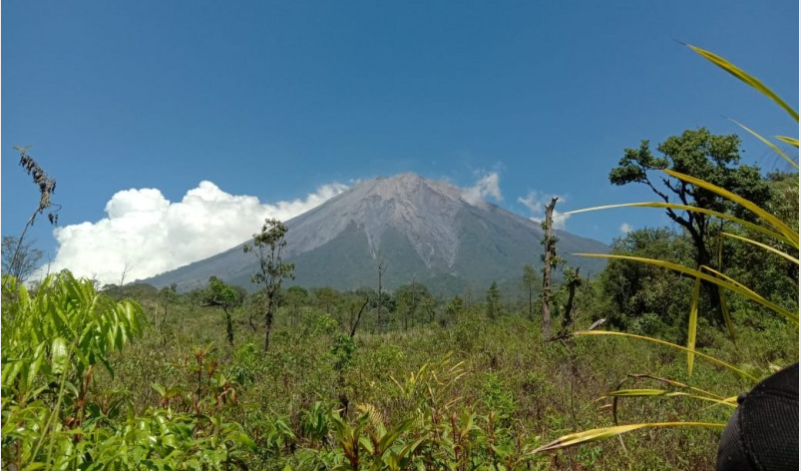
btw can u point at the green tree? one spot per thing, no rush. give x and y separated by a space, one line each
771 275
456 307
20 258
408 299
493 301
268 246
326 298
701 154
645 299
167 297
296 297
222 295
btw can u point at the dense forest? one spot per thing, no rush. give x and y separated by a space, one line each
289 378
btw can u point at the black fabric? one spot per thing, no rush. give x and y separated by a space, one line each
762 435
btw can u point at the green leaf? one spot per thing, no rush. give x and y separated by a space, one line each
33 370
761 245
743 76
790 236
666 393
587 436
693 326
672 345
719 280
60 355
767 142
789 140
694 209
724 309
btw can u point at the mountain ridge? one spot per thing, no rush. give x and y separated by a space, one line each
428 230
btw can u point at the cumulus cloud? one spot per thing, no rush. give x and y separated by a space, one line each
536 201
145 234
625 228
487 186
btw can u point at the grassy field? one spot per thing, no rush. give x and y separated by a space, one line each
535 391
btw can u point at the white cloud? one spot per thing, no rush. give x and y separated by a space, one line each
536 201
145 234
625 228
487 186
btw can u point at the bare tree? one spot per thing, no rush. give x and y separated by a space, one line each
550 260
357 317
20 258
125 269
572 282
381 266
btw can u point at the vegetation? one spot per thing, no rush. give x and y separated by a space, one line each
220 294
267 246
133 377
20 258
733 207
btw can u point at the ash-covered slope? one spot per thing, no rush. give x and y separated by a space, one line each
423 229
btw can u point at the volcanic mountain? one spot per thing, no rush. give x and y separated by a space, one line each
426 230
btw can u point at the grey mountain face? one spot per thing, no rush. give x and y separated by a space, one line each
423 210
424 229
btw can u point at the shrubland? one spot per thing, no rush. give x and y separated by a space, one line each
134 377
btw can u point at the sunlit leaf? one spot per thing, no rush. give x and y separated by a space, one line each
694 209
692 327
665 393
737 288
761 245
60 355
587 436
789 140
745 77
767 142
790 236
668 344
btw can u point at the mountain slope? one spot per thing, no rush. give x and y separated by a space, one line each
426 230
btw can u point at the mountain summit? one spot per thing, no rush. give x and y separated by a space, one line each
426 230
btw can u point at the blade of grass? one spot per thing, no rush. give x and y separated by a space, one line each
761 245
668 344
674 383
789 140
724 305
766 142
724 309
791 236
745 77
607 432
666 393
692 328
732 286
654 204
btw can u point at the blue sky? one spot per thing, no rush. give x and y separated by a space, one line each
277 99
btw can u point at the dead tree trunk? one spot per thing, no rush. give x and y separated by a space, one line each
358 318
573 282
268 321
548 259
381 267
